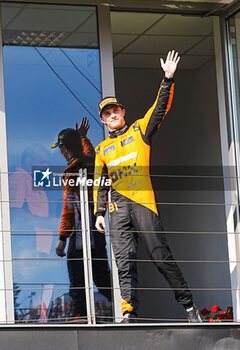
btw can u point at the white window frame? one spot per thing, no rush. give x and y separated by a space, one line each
6 274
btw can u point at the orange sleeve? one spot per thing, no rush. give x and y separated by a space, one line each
88 148
68 213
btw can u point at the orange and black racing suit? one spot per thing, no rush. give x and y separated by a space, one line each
71 227
124 156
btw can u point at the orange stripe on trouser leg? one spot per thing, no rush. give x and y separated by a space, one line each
126 307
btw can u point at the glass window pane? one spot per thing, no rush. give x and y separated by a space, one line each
52 80
234 31
49 26
234 28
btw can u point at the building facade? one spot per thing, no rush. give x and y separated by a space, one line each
57 61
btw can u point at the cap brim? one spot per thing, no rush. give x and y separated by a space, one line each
110 104
54 145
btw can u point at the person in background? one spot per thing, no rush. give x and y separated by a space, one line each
79 153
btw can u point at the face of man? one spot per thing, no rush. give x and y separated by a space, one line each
113 117
64 152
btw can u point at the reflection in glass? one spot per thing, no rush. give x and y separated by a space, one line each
49 85
234 36
49 25
234 29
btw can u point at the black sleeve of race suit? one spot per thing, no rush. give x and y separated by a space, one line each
155 115
101 196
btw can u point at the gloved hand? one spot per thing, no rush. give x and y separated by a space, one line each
60 246
83 127
100 224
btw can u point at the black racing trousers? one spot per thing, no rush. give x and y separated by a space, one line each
101 273
130 216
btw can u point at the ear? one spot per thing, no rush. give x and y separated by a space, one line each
124 111
102 120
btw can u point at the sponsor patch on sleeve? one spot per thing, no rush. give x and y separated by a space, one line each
136 127
127 141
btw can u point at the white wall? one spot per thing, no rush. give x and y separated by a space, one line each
188 137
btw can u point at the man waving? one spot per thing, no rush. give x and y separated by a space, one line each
124 157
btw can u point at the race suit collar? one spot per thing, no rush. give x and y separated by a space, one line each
71 160
117 132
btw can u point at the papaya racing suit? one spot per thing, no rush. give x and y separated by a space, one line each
71 227
124 156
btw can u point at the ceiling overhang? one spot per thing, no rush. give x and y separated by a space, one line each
203 8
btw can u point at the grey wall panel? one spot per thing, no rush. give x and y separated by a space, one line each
38 339
213 337
159 338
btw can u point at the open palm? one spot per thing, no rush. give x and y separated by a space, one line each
170 65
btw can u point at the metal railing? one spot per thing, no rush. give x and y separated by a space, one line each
97 312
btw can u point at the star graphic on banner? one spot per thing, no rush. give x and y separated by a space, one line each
46 174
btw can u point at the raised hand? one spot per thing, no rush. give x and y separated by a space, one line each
170 65
83 127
